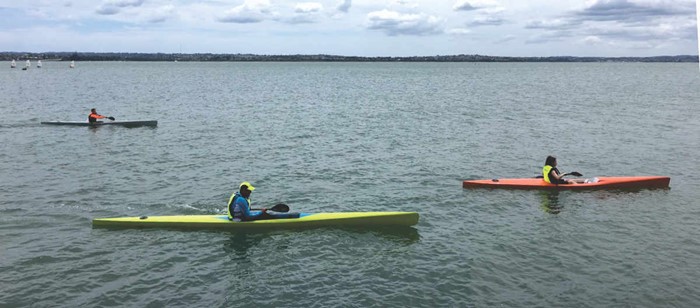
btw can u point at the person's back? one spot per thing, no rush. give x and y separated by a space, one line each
239 207
94 116
239 204
550 173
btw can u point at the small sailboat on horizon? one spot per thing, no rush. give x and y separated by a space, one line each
38 64
13 64
72 64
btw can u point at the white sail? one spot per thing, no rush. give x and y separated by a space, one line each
38 64
29 63
72 64
13 64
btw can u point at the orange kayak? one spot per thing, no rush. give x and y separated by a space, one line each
613 182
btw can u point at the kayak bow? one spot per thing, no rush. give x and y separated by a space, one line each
617 182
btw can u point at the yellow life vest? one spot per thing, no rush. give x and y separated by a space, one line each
545 173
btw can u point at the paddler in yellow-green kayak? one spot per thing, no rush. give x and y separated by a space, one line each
239 207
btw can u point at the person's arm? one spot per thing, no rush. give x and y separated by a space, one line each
245 206
553 174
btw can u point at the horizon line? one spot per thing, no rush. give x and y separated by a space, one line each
332 55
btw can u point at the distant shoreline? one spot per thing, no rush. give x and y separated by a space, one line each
211 57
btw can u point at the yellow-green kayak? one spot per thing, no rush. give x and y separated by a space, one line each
222 221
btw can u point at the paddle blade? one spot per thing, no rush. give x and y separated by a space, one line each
575 173
281 207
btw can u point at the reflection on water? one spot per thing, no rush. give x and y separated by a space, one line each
399 235
549 201
240 243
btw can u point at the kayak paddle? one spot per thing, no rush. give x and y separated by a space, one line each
575 173
280 207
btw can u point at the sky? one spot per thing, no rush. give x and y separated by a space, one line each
530 28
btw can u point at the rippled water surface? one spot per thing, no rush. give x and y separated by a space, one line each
350 137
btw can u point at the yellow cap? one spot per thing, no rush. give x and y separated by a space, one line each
250 187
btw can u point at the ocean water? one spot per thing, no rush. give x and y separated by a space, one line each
326 137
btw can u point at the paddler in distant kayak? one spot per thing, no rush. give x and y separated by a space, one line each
551 174
239 207
94 116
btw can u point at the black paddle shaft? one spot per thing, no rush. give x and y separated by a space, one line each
280 207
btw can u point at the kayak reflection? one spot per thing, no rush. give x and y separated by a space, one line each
399 234
549 201
239 243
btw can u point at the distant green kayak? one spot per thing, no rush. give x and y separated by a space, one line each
151 123
222 222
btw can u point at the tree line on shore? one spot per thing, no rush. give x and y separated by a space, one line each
211 57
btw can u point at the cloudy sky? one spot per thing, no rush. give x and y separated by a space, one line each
353 27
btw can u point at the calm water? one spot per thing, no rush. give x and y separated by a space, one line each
350 137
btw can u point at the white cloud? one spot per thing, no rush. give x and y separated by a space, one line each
458 31
308 7
395 23
471 5
357 27
251 11
305 12
464 6
112 7
160 14
405 3
621 23
107 10
487 20
557 23
344 6
505 39
592 40
125 3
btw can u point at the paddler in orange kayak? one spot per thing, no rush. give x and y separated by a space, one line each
94 116
551 174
